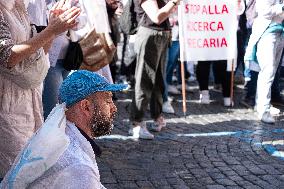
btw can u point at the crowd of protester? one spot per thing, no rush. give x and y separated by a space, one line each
33 47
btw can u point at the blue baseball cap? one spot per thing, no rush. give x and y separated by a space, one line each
83 83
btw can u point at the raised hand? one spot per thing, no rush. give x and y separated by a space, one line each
62 18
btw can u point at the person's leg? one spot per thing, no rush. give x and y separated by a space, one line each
145 72
113 68
129 61
52 83
123 53
241 49
275 88
220 69
156 101
172 61
191 70
252 85
249 99
186 73
247 73
217 78
202 74
167 106
269 51
148 59
276 98
159 87
165 93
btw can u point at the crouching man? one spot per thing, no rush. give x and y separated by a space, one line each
90 112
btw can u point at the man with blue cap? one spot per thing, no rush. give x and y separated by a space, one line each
89 114
88 98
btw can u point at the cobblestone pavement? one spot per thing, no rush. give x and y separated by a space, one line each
212 147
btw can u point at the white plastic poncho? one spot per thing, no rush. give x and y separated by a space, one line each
40 153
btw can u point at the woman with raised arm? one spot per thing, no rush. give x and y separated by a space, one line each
23 67
151 46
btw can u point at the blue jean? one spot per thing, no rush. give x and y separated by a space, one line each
52 82
251 85
247 73
173 55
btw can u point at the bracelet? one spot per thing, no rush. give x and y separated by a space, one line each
174 3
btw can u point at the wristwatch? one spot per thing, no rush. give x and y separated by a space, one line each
176 3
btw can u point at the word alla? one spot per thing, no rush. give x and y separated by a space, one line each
206 9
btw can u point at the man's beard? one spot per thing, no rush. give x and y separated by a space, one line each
101 125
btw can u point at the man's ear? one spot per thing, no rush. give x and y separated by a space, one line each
86 107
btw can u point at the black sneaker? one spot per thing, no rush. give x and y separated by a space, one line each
248 102
277 101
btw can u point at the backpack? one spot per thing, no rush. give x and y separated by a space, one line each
127 21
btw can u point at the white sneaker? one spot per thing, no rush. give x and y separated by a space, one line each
274 111
191 78
247 79
170 99
158 124
204 97
267 118
168 108
227 102
173 90
174 78
139 130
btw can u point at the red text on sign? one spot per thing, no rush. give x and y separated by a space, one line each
207 43
206 9
205 26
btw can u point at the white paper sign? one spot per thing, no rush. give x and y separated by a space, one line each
209 29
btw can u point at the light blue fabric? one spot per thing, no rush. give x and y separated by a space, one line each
272 28
82 83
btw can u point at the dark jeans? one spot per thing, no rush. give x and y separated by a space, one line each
241 42
220 69
52 82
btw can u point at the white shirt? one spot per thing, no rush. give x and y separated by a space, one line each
38 12
76 168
